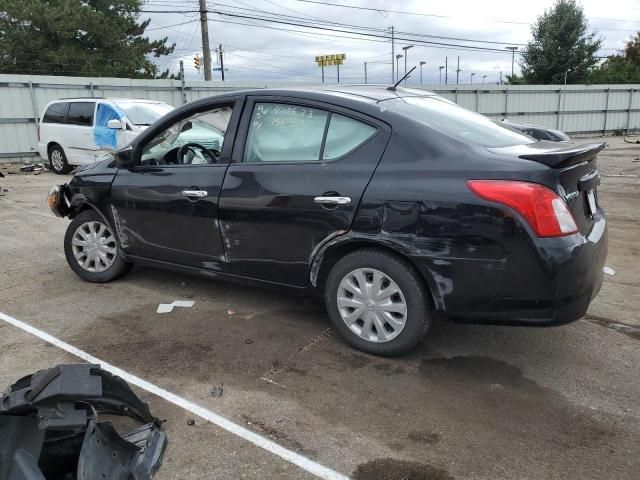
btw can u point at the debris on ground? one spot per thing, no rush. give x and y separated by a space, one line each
191 421
51 427
168 307
609 271
248 341
32 167
231 312
216 391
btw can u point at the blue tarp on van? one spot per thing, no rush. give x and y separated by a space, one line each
102 135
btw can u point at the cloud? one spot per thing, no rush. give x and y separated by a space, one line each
260 51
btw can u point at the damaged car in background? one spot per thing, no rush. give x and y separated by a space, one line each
64 423
395 206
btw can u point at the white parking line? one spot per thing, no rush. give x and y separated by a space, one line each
305 463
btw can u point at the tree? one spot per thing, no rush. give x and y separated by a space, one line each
561 41
101 38
624 68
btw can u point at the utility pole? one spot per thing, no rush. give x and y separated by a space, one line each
365 73
221 62
398 57
458 71
500 77
182 85
204 28
393 56
446 70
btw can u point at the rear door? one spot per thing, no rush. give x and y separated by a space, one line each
78 132
298 172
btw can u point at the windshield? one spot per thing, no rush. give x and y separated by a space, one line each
456 122
144 113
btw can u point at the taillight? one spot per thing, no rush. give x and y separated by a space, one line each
542 208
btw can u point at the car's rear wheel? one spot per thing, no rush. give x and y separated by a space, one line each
58 160
377 302
92 250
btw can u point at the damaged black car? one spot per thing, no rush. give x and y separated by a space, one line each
394 206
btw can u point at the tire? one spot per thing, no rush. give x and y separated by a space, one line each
58 160
373 266
84 236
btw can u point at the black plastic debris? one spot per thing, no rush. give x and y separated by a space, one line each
32 167
52 427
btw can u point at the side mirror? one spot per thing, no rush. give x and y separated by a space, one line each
115 124
124 157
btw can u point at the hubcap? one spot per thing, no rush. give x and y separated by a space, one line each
372 305
56 160
94 246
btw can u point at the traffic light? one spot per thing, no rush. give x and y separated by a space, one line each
196 62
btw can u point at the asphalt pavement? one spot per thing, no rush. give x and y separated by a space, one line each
471 402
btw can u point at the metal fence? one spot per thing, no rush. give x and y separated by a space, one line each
576 109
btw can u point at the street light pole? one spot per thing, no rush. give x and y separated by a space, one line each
513 56
405 48
458 72
483 77
365 73
472 78
446 70
398 57
421 64
441 67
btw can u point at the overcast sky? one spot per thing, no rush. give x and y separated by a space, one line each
254 53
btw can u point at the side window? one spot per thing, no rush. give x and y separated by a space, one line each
283 132
55 113
193 140
81 113
344 135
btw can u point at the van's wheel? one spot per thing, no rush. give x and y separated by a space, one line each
377 302
58 160
92 250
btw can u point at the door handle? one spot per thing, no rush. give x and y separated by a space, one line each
332 200
194 193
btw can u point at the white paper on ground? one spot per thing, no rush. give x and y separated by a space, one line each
609 271
168 307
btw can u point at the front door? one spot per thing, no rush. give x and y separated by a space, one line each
296 179
166 207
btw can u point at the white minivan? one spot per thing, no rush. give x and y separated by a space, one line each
77 131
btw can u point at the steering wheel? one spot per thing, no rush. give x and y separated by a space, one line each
193 147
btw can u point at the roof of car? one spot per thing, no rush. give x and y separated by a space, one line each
363 92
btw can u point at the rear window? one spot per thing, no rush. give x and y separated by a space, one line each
55 113
456 122
81 113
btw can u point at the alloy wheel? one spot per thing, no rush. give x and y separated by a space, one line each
57 161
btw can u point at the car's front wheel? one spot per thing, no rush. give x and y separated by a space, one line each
377 302
58 160
92 250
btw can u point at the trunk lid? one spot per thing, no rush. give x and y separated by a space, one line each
576 172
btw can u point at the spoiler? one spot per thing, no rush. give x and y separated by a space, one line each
565 157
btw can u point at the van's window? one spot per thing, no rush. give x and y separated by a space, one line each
344 135
283 132
455 121
143 114
81 113
55 113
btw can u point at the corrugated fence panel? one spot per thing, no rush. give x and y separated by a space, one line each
572 108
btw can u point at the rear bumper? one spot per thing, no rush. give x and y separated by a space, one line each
550 282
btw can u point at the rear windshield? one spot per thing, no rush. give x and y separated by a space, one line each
457 122
144 113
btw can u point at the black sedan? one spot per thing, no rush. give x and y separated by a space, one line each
395 206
